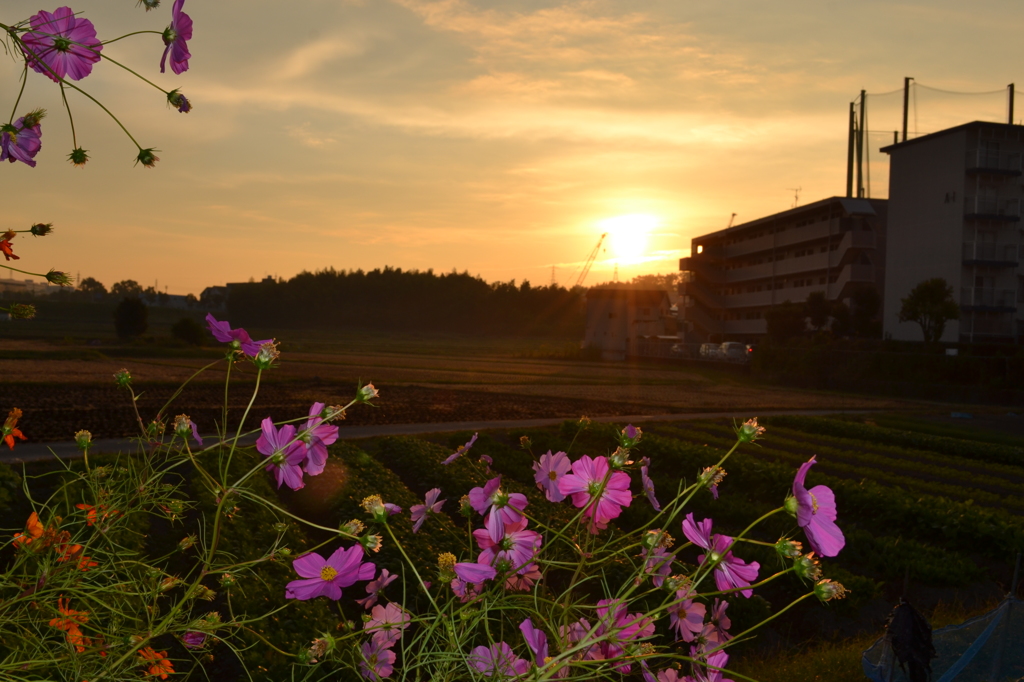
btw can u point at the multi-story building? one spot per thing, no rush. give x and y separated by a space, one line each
954 212
734 276
624 321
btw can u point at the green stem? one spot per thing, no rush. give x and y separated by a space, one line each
238 432
128 35
71 119
24 79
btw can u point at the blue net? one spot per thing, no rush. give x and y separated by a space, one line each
989 648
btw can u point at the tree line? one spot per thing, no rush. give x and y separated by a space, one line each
393 299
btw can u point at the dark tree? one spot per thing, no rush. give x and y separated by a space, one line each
188 330
930 304
866 305
817 309
92 286
128 287
841 324
131 318
785 321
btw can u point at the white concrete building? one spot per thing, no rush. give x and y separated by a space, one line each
734 276
620 319
954 212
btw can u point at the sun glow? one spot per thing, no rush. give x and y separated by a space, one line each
628 236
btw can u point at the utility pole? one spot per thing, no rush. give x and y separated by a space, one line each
860 144
850 134
1009 119
906 104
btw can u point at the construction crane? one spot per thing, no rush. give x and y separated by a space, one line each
590 261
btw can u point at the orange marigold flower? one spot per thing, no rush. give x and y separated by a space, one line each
70 552
34 528
90 512
10 431
157 661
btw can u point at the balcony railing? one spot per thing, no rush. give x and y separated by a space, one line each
984 160
988 298
991 253
991 206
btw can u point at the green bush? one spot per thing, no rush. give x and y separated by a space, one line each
189 331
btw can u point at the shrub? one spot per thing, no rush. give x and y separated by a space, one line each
131 318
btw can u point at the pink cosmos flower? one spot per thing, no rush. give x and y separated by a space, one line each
618 628
19 142
549 470
686 617
498 659
326 577
378 660
648 484
387 622
537 640
466 591
524 580
603 500
420 511
375 586
463 449
238 338
175 37
512 550
285 453
697 533
193 639
719 621
474 573
711 673
816 514
60 45
499 508
730 572
659 563
316 436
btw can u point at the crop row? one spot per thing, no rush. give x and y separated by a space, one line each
873 467
957 447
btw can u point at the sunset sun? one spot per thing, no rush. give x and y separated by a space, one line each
628 235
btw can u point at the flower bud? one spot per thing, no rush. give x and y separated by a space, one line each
147 158
630 436
280 527
61 279
41 229
155 429
619 458
333 412
791 505
123 378
179 101
32 118
826 590
676 583
465 508
788 549
807 567
21 311
149 4
366 393
78 157
749 431
187 542
656 538
525 443
371 543
204 592
168 583
83 439
227 580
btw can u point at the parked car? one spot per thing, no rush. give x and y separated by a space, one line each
711 351
734 351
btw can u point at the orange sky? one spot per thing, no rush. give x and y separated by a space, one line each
499 138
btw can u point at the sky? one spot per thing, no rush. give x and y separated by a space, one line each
500 138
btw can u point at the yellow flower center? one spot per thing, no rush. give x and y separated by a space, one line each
328 573
814 502
552 475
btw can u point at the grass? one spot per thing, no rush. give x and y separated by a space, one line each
839 660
